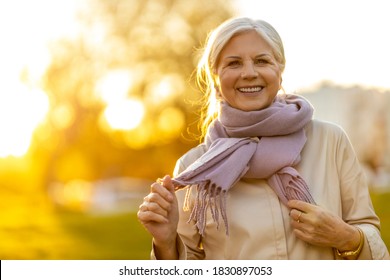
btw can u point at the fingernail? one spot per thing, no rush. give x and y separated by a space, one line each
160 181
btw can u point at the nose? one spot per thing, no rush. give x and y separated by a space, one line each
249 71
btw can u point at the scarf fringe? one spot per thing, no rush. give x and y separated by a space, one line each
294 190
209 196
289 185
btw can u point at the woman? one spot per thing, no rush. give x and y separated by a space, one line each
269 182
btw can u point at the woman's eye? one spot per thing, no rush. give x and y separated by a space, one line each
234 63
261 61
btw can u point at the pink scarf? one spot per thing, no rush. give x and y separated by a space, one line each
263 144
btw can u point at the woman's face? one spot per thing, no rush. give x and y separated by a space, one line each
248 75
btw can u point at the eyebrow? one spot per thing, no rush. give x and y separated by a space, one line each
264 54
239 57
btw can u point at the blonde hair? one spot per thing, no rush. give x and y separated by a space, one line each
216 41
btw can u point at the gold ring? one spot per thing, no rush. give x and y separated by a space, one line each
300 213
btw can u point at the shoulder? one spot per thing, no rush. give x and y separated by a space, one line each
325 130
328 146
326 136
188 158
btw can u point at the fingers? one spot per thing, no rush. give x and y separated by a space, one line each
154 207
158 203
167 183
298 210
152 212
297 215
313 224
146 215
299 205
159 193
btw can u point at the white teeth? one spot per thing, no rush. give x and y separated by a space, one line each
250 89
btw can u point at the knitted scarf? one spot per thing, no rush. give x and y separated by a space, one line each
264 144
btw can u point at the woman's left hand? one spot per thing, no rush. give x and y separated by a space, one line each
320 227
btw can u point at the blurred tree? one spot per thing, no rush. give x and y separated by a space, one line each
121 92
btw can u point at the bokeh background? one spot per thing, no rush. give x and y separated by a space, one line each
98 99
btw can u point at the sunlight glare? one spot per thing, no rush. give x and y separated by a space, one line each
114 86
125 115
121 113
20 113
63 116
24 58
165 90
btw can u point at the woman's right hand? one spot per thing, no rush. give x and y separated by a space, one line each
160 215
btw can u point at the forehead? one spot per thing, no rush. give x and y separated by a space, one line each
246 43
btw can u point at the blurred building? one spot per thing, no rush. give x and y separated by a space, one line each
365 116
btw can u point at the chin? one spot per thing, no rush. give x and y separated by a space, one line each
253 107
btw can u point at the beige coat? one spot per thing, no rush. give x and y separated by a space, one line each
259 224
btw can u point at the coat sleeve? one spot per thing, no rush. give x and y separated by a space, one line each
357 208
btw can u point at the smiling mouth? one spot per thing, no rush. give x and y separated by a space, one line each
250 89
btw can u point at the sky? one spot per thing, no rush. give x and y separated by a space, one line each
343 41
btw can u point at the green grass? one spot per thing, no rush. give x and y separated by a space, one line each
111 237
381 204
